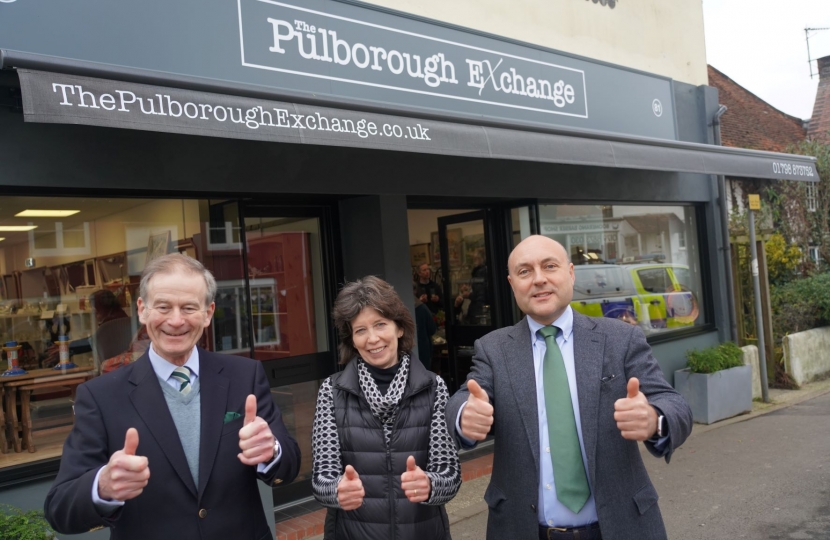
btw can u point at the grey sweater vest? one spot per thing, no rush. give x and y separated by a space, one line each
187 415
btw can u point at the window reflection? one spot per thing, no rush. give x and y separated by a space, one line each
297 403
639 264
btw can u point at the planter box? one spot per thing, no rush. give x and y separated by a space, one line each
716 396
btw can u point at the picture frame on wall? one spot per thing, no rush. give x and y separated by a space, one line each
454 241
157 245
419 254
473 244
454 248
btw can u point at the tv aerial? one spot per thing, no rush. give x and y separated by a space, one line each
807 37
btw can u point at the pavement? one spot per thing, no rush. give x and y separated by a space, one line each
764 475
760 475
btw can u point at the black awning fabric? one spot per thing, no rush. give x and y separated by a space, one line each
72 99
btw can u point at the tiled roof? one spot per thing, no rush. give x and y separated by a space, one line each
751 122
820 122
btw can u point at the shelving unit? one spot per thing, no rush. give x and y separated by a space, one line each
288 309
230 328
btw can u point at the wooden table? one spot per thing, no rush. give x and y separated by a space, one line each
33 380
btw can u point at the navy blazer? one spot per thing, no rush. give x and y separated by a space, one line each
225 504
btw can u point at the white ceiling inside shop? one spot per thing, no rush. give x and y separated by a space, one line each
91 209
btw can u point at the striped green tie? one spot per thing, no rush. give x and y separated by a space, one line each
568 470
182 375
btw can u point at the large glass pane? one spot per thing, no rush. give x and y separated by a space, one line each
640 264
68 296
468 276
286 286
229 333
297 403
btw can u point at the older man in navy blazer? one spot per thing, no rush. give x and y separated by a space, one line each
567 397
204 423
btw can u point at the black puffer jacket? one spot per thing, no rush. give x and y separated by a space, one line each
386 513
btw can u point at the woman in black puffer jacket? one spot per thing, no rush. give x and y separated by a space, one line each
383 461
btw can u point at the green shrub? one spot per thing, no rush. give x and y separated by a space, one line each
16 524
782 259
800 305
724 356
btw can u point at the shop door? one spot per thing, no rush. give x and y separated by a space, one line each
466 246
289 290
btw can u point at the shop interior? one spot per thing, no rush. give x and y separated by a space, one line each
70 272
637 263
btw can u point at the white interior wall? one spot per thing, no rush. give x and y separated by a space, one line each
422 223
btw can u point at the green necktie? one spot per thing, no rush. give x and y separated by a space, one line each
569 472
182 375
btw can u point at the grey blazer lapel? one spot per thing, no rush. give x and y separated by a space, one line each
589 349
518 355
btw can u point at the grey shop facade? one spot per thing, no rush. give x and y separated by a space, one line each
291 146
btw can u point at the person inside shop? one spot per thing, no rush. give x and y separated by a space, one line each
567 396
462 303
477 311
379 435
105 308
429 292
204 423
426 328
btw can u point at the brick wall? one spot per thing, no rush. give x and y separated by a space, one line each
751 122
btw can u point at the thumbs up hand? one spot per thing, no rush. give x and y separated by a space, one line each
126 474
636 418
350 490
415 482
255 438
477 416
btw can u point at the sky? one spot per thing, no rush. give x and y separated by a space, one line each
760 45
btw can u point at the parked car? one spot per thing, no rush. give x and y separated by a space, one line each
655 296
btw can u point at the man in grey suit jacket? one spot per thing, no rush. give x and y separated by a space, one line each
617 396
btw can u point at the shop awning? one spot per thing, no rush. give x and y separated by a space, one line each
72 99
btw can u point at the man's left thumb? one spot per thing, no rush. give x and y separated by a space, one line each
250 409
633 387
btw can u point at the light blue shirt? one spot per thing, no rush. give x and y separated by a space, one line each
550 511
163 370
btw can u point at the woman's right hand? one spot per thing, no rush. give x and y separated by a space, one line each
350 490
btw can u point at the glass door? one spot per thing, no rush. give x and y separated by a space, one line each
466 251
289 288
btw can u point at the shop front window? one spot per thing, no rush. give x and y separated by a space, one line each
70 280
640 264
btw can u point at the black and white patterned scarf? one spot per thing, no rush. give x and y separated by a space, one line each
384 407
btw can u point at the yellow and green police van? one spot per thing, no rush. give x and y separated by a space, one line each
654 296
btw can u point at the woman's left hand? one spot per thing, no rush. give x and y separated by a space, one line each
415 482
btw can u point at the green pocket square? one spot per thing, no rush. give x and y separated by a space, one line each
230 416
